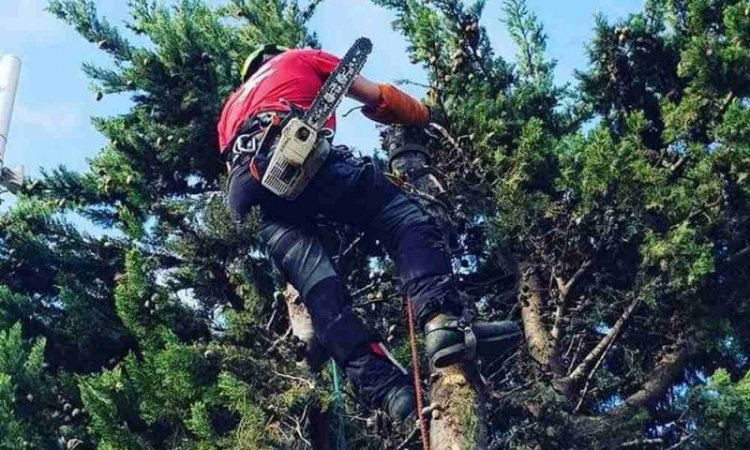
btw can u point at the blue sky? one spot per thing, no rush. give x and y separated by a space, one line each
51 124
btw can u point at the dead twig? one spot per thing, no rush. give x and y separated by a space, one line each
281 339
575 356
565 288
291 377
684 440
591 375
409 439
348 249
364 289
642 442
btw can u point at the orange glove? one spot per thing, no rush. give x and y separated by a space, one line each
397 107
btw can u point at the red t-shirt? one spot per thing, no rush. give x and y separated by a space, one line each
295 76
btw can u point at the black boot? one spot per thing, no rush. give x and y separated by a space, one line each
382 382
450 339
400 404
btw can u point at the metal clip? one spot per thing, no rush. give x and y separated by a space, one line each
470 339
245 143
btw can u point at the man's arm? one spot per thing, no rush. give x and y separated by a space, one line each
386 104
365 91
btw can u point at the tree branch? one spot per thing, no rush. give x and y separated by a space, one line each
537 337
661 378
591 375
738 256
641 443
565 289
677 167
585 366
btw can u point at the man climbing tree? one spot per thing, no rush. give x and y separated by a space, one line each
351 191
611 217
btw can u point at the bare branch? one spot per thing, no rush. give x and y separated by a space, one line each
585 366
738 256
409 439
293 378
682 441
537 337
677 167
641 442
661 378
591 375
565 289
728 99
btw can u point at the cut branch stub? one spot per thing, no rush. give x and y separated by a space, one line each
302 329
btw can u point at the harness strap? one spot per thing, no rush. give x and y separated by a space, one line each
406 149
470 338
415 174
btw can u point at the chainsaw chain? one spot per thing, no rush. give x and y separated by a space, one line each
338 83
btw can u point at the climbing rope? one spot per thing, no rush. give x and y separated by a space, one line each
415 368
337 407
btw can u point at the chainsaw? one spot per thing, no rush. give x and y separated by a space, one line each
302 147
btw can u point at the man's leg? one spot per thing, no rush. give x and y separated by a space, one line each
300 255
356 191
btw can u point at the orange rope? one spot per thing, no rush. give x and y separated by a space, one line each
415 368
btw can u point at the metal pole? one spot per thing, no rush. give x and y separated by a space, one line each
10 69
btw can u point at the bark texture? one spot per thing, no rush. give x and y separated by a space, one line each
302 328
455 422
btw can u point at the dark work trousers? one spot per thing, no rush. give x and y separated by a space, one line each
353 191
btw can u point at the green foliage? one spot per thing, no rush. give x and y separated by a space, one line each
630 188
723 412
106 396
633 187
10 428
251 432
529 36
135 318
20 376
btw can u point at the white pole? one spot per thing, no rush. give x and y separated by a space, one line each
10 68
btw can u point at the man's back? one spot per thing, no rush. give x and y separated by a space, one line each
294 76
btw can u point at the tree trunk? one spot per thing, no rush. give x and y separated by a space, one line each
302 329
458 422
457 394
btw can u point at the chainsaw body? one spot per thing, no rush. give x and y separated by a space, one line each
298 155
302 147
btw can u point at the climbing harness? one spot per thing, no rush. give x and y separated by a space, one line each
415 368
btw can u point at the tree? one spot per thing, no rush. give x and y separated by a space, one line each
628 240
610 219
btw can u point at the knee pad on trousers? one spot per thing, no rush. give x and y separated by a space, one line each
299 255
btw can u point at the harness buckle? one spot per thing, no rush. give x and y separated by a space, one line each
470 338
